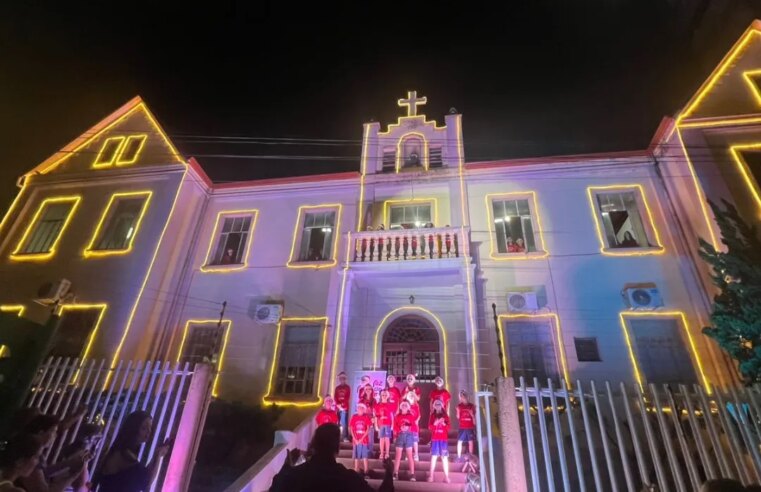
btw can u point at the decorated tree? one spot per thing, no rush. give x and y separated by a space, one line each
736 316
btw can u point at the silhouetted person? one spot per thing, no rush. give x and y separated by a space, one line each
722 485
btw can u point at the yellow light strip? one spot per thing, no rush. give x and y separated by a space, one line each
206 267
13 308
13 205
592 192
17 255
97 163
363 172
131 317
699 192
748 76
718 72
388 203
125 162
660 314
268 398
339 317
555 320
220 363
91 338
721 122
292 261
745 171
420 117
406 310
399 144
542 253
89 252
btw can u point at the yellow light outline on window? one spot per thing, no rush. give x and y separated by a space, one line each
292 263
16 255
220 363
666 315
97 164
389 203
206 267
143 137
13 308
659 249
745 171
536 255
399 149
555 319
272 400
438 325
89 252
91 337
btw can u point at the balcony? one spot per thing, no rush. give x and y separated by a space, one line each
408 245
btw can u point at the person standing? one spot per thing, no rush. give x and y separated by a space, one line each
440 393
342 397
394 395
466 418
384 423
404 442
327 414
439 426
411 387
359 426
368 398
415 412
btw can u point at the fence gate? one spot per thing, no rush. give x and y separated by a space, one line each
174 394
619 438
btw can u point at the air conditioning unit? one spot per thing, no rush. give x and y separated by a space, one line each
643 297
52 292
267 314
520 302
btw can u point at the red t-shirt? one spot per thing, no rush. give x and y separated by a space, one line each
394 396
404 422
440 394
361 389
368 400
467 414
326 417
407 389
415 412
360 426
439 428
341 395
384 412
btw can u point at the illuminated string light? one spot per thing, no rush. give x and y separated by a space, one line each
19 255
666 315
91 337
292 260
90 250
207 267
99 161
13 308
269 398
736 152
220 363
389 203
495 255
400 144
658 249
141 138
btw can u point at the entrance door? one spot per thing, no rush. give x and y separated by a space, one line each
411 346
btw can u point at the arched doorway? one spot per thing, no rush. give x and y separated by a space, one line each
411 345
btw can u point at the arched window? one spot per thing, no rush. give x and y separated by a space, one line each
413 151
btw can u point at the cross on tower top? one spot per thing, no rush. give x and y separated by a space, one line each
412 102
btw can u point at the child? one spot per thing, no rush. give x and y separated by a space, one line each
394 396
327 415
342 395
439 425
359 426
368 398
411 387
363 383
440 393
415 412
384 423
466 414
403 427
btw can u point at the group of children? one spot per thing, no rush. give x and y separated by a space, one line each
395 417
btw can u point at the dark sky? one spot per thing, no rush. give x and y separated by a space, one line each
531 78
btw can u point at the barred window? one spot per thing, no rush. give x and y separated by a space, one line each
298 359
203 344
48 227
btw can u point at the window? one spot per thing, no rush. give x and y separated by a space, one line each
410 216
516 233
231 240
661 353
748 160
315 236
434 158
531 350
119 223
412 151
76 330
46 228
298 360
389 159
121 151
621 223
586 349
131 150
108 152
205 341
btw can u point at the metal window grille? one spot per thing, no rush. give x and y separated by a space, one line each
121 224
317 236
203 344
389 159
297 362
434 157
586 349
512 221
232 241
48 228
531 351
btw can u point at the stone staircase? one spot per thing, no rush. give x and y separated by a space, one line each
422 467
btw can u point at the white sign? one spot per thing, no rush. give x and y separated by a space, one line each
377 379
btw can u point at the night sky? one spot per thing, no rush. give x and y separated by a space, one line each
532 78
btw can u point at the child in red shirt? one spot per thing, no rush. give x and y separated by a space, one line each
384 423
359 427
415 412
394 396
411 387
342 395
439 425
440 393
466 418
368 398
403 423
363 383
327 415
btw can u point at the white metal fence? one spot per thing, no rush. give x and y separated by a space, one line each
159 388
618 438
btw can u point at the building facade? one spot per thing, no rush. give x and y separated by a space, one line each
574 267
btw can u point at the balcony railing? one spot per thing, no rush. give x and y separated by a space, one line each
408 244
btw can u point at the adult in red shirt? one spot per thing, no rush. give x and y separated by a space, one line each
394 395
327 414
440 393
360 427
342 395
466 420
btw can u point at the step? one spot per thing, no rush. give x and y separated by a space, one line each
376 464
403 485
426 446
423 457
